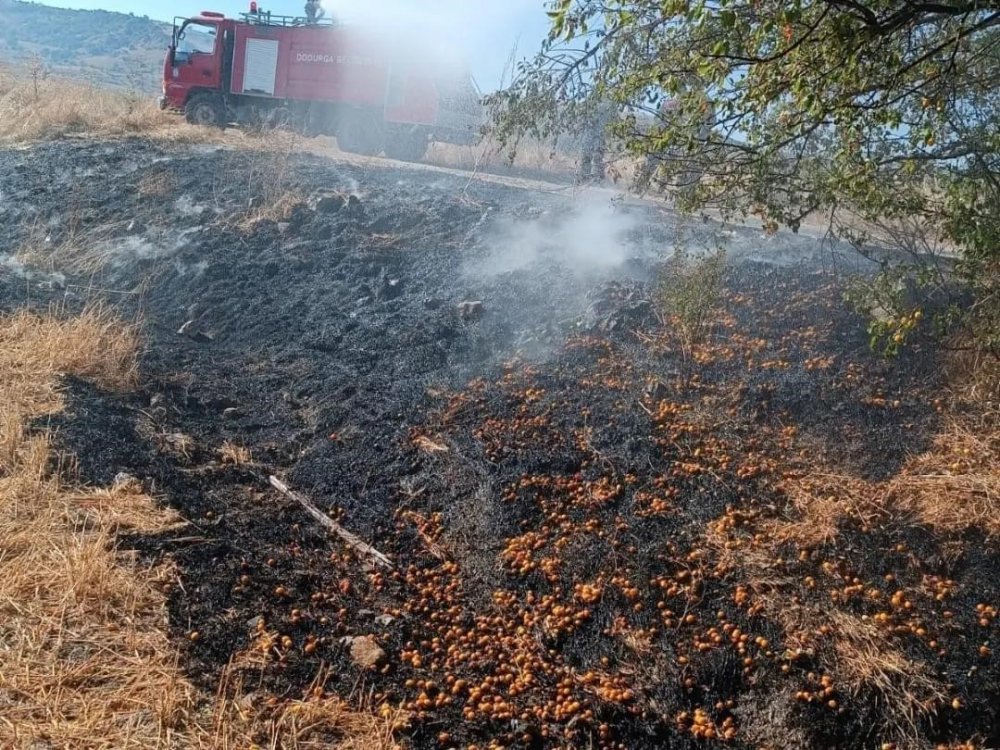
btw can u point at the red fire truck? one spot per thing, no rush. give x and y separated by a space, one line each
373 90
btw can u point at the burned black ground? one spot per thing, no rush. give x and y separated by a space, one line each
330 344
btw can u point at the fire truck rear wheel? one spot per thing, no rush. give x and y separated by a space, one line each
204 109
360 134
407 146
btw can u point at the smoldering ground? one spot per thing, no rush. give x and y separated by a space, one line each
330 342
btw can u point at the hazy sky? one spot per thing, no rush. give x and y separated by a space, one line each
485 31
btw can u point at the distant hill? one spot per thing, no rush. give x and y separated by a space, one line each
112 49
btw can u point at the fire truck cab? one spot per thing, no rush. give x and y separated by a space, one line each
373 90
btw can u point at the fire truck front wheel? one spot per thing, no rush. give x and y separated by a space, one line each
359 133
204 109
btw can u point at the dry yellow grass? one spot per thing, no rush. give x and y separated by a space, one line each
85 660
864 660
850 648
867 660
74 250
955 485
272 180
234 454
559 159
530 156
821 503
34 106
278 207
84 657
320 722
975 375
952 486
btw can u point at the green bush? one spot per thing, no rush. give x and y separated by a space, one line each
688 292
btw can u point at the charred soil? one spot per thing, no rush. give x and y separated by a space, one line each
604 533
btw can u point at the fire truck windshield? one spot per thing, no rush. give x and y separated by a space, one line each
196 37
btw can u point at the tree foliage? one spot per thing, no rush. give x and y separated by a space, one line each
884 108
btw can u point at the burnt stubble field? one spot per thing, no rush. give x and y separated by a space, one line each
607 529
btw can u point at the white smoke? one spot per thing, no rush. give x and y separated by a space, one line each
15 266
479 35
589 239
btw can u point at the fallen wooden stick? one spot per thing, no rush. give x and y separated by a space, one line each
330 524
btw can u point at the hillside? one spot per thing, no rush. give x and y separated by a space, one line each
97 46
